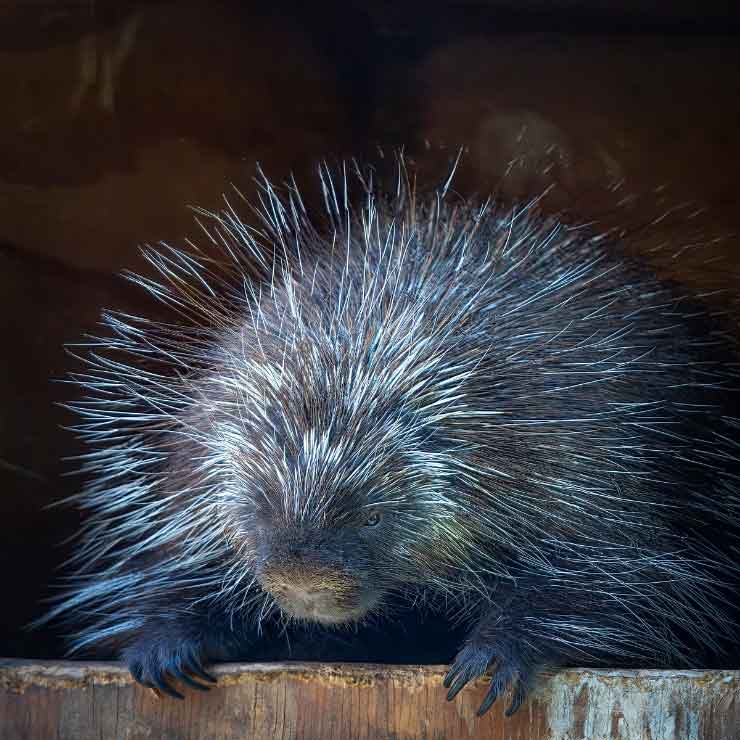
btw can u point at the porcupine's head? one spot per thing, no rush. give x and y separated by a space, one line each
336 470
333 492
320 497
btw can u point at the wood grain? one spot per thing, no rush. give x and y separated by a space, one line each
77 701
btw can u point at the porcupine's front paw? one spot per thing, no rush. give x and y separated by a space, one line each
162 656
511 669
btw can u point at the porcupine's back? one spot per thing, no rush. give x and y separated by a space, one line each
557 410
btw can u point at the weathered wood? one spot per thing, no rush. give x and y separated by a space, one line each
77 701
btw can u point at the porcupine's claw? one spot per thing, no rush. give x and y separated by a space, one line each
162 684
156 663
196 670
187 667
472 662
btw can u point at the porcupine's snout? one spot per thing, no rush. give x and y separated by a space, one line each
315 577
313 593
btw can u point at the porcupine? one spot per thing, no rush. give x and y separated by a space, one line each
428 396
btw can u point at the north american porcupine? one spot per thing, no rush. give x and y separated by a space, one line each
431 397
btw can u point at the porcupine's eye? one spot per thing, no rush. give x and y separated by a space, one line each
373 519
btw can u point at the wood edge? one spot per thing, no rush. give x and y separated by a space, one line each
17 675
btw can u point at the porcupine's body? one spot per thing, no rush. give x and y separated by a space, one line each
434 399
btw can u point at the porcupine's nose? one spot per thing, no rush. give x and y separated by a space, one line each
304 571
306 599
315 594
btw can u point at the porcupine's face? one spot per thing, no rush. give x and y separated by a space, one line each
338 476
328 503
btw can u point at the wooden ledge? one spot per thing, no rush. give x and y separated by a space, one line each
81 700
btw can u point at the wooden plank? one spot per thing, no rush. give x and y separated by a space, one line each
77 701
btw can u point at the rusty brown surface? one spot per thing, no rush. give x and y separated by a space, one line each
580 112
99 700
111 131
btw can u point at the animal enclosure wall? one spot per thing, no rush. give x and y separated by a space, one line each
119 115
